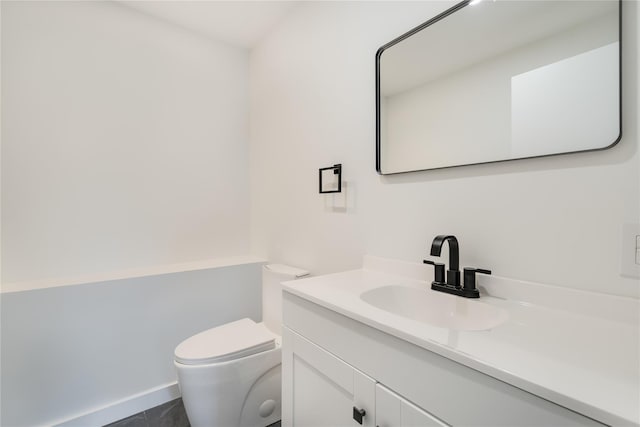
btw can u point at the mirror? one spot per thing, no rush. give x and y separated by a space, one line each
495 80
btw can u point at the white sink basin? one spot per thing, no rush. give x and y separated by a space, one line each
436 308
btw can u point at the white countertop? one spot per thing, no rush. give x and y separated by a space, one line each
578 349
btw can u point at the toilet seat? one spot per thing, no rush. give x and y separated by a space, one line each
231 341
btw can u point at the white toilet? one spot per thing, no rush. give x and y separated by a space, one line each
230 375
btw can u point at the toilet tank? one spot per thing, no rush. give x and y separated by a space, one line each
272 277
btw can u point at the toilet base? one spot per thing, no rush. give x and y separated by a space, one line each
263 405
244 392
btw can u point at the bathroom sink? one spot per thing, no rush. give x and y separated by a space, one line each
435 308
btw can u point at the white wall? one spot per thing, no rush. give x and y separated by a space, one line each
124 142
71 351
124 147
552 220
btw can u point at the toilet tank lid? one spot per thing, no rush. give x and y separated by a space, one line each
230 341
287 270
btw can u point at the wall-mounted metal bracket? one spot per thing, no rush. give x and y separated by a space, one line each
337 170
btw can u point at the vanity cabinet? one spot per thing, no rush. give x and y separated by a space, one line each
333 363
322 390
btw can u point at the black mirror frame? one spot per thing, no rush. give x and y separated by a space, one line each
443 15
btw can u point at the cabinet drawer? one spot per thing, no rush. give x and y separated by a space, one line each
393 410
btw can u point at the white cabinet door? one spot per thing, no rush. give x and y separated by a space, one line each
320 390
394 411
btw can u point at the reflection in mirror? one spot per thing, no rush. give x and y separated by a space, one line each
500 80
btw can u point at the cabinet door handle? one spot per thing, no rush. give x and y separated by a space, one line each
358 414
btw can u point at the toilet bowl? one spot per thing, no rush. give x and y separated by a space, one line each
230 375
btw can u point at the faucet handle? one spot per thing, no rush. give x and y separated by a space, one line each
439 270
470 276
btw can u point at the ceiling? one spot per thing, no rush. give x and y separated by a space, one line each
237 22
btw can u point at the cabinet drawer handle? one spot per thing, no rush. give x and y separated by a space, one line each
358 414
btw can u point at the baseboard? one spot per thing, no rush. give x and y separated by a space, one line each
123 408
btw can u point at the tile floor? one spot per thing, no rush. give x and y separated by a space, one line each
170 414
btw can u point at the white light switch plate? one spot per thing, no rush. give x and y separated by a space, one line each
630 250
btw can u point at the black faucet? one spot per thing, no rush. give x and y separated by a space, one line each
452 283
453 273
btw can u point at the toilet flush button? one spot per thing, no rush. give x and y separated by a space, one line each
267 408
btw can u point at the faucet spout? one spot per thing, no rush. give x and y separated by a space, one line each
453 273
454 251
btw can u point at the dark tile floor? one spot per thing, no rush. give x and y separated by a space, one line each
170 414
